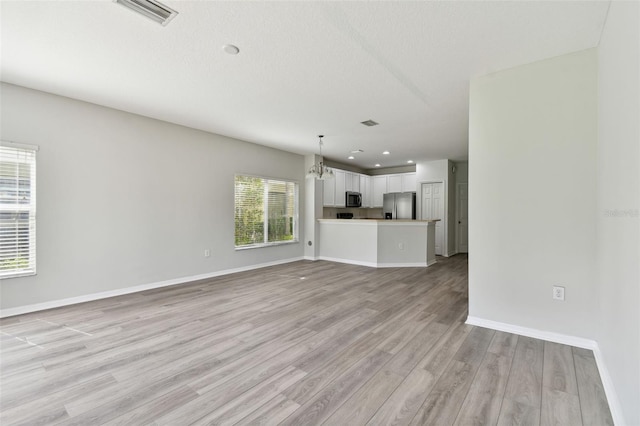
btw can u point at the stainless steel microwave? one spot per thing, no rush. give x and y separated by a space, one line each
353 199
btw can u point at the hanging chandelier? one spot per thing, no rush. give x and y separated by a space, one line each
319 170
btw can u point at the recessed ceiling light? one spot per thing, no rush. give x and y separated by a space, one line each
410 161
369 123
377 165
231 49
357 151
152 9
385 153
351 157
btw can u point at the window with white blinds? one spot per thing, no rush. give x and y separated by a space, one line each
266 211
17 210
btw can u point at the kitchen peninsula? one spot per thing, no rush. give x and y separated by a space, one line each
378 243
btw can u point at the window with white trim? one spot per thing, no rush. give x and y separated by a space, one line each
17 210
266 211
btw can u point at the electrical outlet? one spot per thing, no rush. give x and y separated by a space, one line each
207 252
558 292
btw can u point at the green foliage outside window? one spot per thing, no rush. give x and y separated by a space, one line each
259 201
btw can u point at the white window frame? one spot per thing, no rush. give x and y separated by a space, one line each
20 154
296 219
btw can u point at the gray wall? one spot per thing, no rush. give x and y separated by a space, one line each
125 200
532 199
618 250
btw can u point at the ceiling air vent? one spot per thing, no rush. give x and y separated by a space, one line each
369 123
151 9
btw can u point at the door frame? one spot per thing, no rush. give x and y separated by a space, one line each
445 222
458 216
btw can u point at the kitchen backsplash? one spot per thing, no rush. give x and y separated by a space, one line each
331 212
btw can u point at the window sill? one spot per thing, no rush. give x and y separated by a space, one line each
263 245
16 275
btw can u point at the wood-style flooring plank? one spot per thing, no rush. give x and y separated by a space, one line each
146 413
513 413
363 404
403 404
593 401
242 406
321 406
436 360
559 408
484 398
559 372
525 381
271 413
445 399
335 366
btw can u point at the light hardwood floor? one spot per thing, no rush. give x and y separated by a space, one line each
304 343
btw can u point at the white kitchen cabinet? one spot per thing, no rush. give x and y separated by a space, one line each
378 189
329 193
340 189
409 182
348 183
394 183
333 190
365 190
372 188
355 182
352 182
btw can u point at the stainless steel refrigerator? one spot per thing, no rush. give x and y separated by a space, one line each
399 205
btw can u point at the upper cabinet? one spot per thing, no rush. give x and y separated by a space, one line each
408 182
383 184
340 188
333 190
372 188
394 183
365 190
328 193
352 182
378 189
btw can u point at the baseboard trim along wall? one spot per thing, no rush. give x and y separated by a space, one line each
350 262
375 264
532 332
607 383
127 290
404 265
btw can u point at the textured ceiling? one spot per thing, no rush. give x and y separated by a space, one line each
304 68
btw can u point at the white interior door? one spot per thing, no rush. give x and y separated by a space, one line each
463 218
438 213
433 208
426 198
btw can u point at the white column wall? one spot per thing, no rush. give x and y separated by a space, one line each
618 221
532 203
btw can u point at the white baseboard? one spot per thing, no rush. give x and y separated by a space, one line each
375 264
607 383
403 265
565 339
135 289
311 258
349 261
